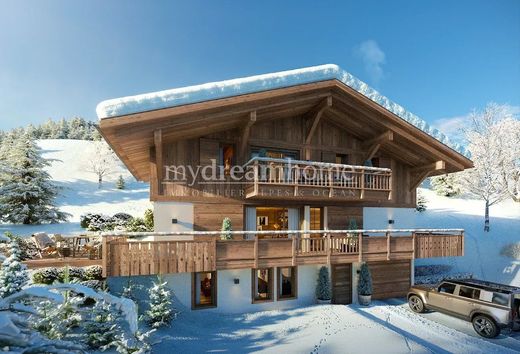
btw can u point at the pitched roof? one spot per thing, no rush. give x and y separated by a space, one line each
258 83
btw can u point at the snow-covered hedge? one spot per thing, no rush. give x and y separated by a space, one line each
53 274
437 278
435 269
119 221
511 250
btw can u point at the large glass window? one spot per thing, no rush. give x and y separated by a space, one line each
287 283
204 292
262 284
227 157
468 292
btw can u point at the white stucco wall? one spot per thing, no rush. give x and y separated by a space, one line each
377 218
164 212
231 298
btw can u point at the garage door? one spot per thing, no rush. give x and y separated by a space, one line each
341 283
390 279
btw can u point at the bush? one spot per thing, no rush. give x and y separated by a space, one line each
120 220
94 272
511 250
45 276
95 284
84 220
136 225
422 202
425 270
323 288
28 249
74 273
365 281
226 228
148 219
99 222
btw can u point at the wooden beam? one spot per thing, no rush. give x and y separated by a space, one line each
424 171
434 166
374 144
244 135
159 162
314 115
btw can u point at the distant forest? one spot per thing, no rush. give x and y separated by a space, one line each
75 128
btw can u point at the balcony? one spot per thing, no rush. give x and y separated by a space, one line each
294 179
204 251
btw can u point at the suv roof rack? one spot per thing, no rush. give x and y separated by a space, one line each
486 285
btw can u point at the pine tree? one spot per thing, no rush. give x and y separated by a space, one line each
323 288
445 185
365 280
120 184
226 228
161 311
13 274
101 328
26 192
421 202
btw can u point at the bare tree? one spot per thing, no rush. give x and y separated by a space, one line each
102 161
487 138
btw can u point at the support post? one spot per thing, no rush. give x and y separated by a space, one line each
159 165
387 245
256 251
360 245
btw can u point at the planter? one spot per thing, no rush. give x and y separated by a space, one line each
323 302
364 299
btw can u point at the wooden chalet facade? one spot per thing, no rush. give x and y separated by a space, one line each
297 167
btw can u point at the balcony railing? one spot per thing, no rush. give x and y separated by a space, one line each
308 178
204 251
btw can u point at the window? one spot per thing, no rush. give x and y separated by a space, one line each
468 292
204 291
316 219
262 284
447 288
287 283
342 159
500 299
227 157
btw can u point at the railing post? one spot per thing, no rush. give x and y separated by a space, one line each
105 262
328 247
413 245
331 183
255 250
362 193
388 245
360 246
256 172
462 243
296 179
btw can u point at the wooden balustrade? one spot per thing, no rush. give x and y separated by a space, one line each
306 178
121 257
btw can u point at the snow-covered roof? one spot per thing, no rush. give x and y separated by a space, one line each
228 88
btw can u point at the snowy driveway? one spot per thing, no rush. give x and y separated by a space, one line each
380 328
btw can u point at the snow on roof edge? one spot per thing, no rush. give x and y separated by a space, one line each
234 87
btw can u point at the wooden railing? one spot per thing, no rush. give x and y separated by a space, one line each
206 252
304 175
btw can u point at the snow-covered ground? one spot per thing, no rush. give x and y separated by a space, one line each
380 328
80 193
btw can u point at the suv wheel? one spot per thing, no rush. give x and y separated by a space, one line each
485 326
416 303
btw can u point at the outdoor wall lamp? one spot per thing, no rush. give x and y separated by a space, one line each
236 281
391 222
174 221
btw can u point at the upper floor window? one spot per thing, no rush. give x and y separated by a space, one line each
342 159
227 157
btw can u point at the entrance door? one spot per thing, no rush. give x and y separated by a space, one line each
341 283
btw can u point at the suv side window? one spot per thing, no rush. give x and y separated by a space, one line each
447 288
468 292
500 299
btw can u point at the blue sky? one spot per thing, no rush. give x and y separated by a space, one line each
439 59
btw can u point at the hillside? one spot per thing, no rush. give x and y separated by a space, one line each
80 193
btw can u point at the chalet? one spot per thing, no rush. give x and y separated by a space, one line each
311 166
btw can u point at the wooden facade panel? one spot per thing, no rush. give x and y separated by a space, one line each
208 217
390 278
339 217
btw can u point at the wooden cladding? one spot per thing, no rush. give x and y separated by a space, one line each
390 279
430 245
122 257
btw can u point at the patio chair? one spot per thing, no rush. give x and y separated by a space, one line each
45 245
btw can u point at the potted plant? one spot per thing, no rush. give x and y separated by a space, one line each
323 288
365 285
226 228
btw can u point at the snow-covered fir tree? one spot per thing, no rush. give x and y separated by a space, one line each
421 202
446 185
323 287
120 184
101 328
13 274
226 228
26 191
489 142
161 311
